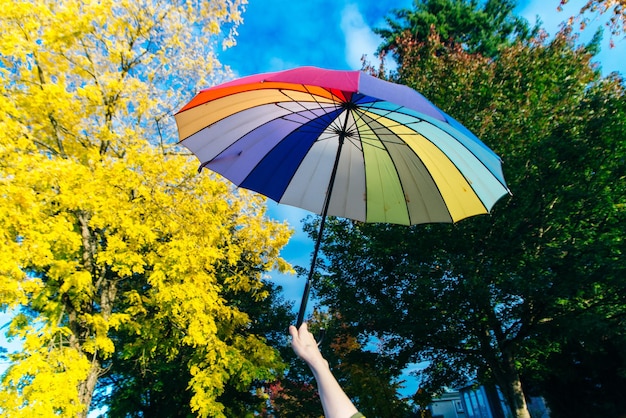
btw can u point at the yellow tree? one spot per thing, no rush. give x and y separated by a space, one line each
104 225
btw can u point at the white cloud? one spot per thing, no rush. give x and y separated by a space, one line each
359 37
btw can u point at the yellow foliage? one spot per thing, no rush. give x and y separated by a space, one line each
104 226
41 384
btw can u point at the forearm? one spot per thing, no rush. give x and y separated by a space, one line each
335 402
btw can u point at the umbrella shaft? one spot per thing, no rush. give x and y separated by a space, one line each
307 286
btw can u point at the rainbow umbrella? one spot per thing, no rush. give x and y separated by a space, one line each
342 143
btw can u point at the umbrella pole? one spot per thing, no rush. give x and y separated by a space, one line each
307 286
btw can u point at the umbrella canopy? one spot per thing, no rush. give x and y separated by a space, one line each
342 143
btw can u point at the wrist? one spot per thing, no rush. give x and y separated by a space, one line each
319 364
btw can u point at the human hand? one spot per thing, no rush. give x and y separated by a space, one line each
305 346
335 402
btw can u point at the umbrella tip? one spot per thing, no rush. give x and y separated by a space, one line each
202 166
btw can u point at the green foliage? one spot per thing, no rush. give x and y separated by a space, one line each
479 27
495 297
587 375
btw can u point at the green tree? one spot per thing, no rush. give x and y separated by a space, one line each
587 375
480 27
105 228
493 297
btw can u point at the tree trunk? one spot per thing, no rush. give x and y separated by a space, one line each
87 386
511 386
106 288
503 367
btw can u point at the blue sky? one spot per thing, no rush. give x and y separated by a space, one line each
278 35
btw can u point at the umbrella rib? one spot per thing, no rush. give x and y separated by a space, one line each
303 114
313 96
310 118
375 136
320 105
376 117
390 112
